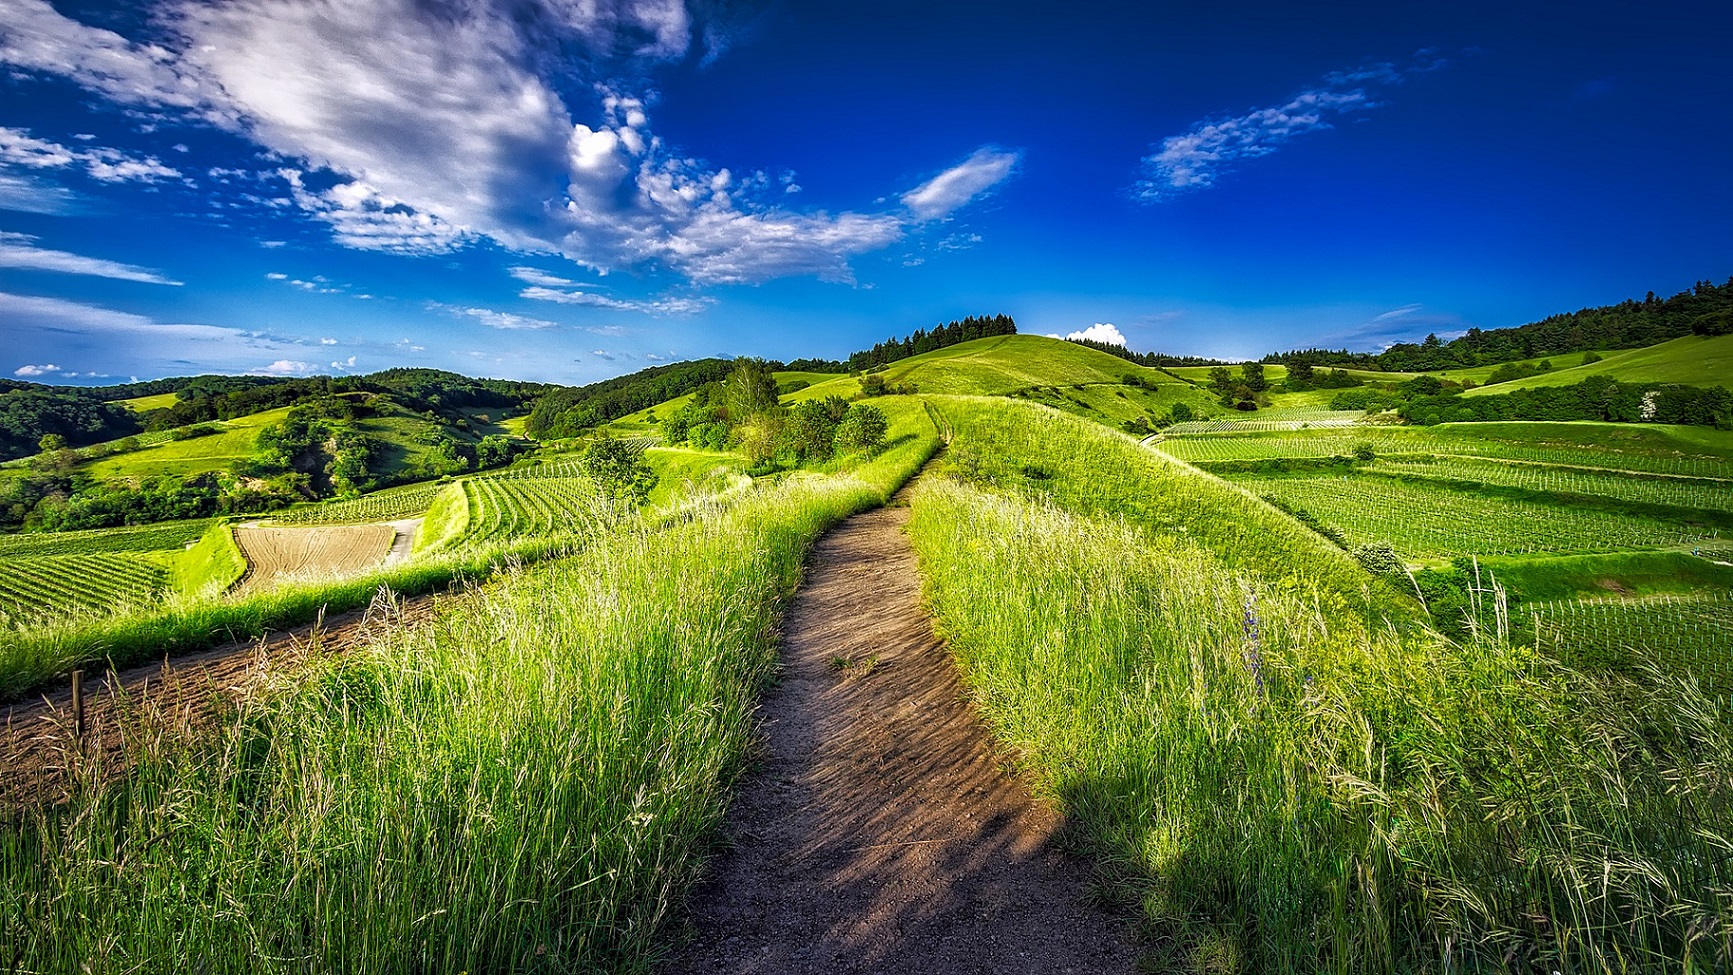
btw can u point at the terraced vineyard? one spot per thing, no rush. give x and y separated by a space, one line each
32 586
1288 420
1705 494
1652 450
167 535
390 504
1690 634
506 507
1437 522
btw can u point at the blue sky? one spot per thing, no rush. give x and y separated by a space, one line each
565 190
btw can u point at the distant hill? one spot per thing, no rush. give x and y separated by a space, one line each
998 366
1705 309
84 416
1694 360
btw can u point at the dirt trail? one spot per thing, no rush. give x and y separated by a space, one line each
169 699
880 833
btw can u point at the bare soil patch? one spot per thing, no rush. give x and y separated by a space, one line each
275 554
881 832
160 705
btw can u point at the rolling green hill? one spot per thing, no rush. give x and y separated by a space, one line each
997 366
1693 360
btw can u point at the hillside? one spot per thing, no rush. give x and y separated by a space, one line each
998 366
1693 360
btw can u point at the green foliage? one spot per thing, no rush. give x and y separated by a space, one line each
749 390
863 428
30 413
568 412
619 470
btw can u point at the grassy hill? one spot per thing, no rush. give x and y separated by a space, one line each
1053 372
1694 360
141 404
998 366
231 443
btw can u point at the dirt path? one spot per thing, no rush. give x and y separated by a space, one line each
169 699
880 833
403 545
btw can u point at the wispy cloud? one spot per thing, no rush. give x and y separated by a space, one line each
20 251
654 306
464 133
495 319
536 276
1198 157
962 183
94 340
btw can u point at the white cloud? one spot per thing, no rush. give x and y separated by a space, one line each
530 275
107 341
20 251
21 150
497 319
460 134
654 306
1197 158
30 372
983 170
1100 332
286 367
276 276
1403 312
327 341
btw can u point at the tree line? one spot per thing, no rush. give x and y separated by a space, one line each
922 341
1704 309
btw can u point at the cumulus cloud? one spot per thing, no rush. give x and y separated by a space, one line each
462 133
20 251
286 367
30 372
1197 158
1099 332
962 183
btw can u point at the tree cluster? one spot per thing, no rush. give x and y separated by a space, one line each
922 341
569 411
744 413
27 414
1595 398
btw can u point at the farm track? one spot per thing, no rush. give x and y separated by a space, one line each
167 702
880 832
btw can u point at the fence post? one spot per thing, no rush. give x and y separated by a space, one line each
78 706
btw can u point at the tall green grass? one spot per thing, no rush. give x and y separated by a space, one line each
1281 783
522 785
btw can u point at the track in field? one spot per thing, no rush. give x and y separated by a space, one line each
881 833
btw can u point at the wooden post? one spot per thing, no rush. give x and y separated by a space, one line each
78 705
